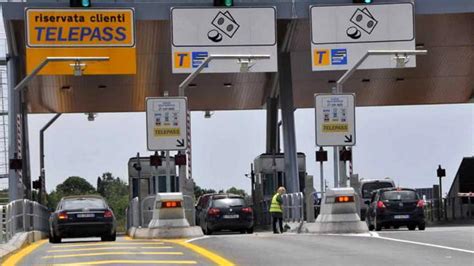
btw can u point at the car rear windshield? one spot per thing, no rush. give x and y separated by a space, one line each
368 188
228 202
399 195
83 203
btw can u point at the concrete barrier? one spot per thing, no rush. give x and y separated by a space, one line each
19 241
169 220
338 214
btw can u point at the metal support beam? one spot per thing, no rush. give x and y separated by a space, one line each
287 112
339 167
15 185
272 125
42 190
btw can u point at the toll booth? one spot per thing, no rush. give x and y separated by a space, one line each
153 179
269 174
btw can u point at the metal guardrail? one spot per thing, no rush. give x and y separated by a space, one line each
132 211
293 207
23 216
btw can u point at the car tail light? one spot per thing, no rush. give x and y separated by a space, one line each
247 210
171 204
213 212
344 199
108 214
62 216
420 204
380 205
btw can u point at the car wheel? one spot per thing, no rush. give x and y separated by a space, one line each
208 231
369 225
111 237
411 227
378 227
421 226
250 230
54 239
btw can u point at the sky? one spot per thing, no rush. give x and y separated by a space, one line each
406 143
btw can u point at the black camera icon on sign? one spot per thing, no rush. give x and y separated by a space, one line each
225 24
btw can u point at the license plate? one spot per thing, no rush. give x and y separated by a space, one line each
85 215
231 216
402 216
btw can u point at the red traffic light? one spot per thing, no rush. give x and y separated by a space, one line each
180 159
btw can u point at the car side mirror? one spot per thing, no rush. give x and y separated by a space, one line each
367 202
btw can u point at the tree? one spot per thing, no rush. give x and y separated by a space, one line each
73 185
198 191
234 190
115 191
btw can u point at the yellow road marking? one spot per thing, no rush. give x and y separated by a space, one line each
17 257
142 240
101 262
105 248
203 252
105 244
110 253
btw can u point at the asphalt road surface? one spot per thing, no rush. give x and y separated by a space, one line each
435 246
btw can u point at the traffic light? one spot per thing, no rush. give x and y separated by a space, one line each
226 3
80 3
155 160
37 184
362 1
180 159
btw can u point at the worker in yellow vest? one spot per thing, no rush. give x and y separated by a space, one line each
276 210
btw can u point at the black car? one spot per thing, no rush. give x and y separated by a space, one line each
225 212
395 207
82 216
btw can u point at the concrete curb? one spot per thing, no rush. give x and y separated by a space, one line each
165 233
19 241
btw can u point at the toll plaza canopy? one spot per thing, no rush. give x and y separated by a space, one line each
445 75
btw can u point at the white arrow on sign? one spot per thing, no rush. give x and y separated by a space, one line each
335 119
166 123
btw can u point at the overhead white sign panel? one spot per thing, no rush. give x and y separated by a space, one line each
335 119
342 34
166 123
198 32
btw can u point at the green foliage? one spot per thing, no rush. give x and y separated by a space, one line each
115 191
198 191
73 185
234 190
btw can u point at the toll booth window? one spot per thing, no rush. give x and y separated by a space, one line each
268 185
174 184
162 184
134 187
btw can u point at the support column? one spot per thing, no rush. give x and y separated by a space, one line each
15 184
272 125
287 111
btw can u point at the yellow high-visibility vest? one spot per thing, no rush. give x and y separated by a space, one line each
275 206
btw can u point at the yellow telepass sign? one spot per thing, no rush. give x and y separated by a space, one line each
81 32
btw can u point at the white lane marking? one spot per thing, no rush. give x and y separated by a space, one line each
376 235
197 238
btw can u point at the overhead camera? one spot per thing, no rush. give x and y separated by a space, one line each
208 114
91 116
78 68
244 64
401 60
